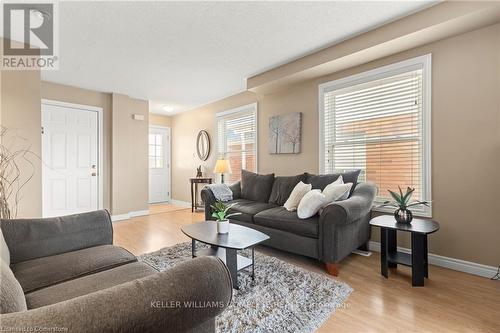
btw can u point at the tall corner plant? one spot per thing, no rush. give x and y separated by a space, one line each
12 179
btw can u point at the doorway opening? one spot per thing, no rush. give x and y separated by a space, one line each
159 164
72 158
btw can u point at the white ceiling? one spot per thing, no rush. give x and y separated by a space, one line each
186 54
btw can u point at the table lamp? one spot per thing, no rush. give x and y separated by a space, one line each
222 167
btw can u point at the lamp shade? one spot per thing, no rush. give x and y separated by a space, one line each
222 166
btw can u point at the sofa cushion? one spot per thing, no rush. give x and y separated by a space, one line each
321 181
43 272
11 294
281 219
283 187
88 284
256 187
36 238
248 209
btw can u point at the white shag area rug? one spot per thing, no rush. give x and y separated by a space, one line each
283 298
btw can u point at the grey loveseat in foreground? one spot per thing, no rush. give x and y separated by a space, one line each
65 275
330 236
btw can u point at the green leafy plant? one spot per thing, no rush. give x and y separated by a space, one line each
403 200
220 210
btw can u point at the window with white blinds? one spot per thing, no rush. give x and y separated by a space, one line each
379 122
237 139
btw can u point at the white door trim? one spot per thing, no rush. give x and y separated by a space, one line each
100 139
169 155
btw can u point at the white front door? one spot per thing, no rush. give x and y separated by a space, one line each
70 160
159 164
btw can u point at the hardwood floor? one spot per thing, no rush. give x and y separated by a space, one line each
163 208
450 301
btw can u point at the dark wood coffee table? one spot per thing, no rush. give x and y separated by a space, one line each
390 257
225 246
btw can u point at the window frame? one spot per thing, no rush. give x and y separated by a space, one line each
242 108
423 62
155 156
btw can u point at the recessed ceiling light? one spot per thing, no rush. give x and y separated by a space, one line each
167 108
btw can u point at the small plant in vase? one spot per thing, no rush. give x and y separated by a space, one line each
220 210
402 203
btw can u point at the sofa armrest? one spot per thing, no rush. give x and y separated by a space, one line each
177 300
358 205
34 238
209 199
344 225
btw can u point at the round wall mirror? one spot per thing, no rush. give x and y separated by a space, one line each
203 145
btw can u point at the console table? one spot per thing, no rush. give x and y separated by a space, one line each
390 257
194 190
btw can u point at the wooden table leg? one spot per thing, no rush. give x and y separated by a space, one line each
232 265
417 259
392 246
253 265
426 258
192 199
383 252
195 196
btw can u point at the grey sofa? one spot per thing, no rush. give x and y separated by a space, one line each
330 236
65 275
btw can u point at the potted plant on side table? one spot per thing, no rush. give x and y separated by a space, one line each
402 203
220 210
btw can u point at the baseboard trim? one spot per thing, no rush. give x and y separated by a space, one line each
139 213
180 203
120 217
129 215
447 262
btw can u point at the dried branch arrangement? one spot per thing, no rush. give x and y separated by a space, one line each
14 151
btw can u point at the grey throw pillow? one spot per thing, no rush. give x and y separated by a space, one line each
283 187
256 187
321 181
11 294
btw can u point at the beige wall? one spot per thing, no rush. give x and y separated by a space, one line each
129 155
69 94
20 113
465 139
159 120
21 93
185 128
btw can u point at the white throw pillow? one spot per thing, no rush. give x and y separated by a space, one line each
297 194
337 181
336 192
311 204
4 250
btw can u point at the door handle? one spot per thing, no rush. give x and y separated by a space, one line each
94 174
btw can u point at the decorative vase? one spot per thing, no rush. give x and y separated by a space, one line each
403 216
223 226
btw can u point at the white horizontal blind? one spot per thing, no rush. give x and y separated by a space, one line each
236 139
378 126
